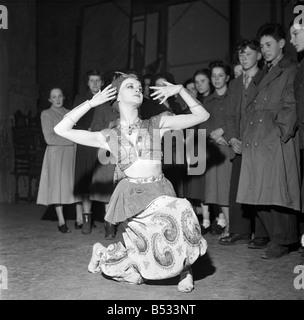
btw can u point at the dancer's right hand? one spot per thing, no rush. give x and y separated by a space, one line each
107 94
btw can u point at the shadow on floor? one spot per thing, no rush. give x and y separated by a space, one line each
69 211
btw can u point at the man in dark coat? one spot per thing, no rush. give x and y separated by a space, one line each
270 169
241 93
297 40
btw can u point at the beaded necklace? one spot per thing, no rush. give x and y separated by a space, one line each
131 128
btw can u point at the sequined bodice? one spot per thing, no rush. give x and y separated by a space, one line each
145 146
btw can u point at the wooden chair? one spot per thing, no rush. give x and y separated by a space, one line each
29 149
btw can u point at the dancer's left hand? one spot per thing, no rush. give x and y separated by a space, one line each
164 92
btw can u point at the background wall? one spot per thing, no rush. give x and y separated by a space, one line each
18 84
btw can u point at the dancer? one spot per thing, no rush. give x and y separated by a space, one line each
162 236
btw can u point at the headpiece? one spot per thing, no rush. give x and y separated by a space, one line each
118 79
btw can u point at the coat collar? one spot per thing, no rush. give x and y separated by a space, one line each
276 71
215 96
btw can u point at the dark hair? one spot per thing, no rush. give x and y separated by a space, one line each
205 72
146 76
48 94
94 72
220 64
188 81
167 75
253 44
274 30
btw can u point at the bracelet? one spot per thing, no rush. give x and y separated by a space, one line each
67 116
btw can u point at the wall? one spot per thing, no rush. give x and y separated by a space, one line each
18 87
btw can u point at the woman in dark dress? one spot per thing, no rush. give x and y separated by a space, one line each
195 185
86 157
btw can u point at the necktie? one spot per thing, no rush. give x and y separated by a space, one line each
269 66
246 80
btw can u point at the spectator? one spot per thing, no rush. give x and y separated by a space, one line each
57 174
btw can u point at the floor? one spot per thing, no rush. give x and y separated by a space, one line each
43 264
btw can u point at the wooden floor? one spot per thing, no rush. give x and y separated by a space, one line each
44 264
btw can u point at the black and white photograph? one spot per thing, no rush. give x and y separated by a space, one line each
152 153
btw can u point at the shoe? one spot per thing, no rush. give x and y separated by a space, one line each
301 249
205 230
217 229
87 226
78 225
94 225
64 228
235 238
274 251
110 231
258 243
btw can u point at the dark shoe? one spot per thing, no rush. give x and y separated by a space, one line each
78 225
205 230
94 225
87 226
64 229
258 243
301 249
274 251
217 230
235 238
110 231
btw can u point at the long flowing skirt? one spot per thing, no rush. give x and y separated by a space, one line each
160 242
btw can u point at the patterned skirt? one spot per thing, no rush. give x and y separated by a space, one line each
160 242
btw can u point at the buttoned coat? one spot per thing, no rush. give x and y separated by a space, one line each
234 112
218 172
270 173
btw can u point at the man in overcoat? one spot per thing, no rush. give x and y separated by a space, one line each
270 171
242 91
297 40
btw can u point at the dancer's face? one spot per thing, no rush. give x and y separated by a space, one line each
130 92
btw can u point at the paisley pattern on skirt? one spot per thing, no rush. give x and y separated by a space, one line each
159 243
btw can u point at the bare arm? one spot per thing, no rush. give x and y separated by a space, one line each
92 139
183 121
